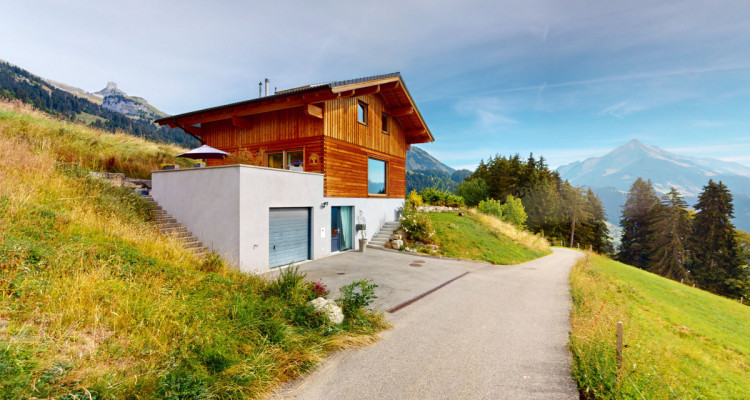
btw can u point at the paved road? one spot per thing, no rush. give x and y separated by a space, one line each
495 333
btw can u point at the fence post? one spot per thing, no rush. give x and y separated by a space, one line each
619 347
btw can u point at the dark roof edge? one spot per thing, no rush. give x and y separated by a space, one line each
284 93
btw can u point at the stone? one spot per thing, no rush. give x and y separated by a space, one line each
396 244
329 308
433 247
395 236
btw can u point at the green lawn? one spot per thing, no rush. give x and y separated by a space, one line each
682 342
466 237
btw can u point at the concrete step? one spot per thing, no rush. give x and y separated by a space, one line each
164 225
167 219
183 235
374 246
178 229
192 245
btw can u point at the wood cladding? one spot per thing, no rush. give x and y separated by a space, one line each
346 170
336 144
340 118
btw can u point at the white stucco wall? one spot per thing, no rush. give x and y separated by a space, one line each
206 201
227 207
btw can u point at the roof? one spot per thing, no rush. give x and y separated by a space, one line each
324 91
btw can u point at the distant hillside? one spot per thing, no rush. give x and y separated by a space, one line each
612 175
110 109
425 171
420 160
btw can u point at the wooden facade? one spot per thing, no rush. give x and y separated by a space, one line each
322 122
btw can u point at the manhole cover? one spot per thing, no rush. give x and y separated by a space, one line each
419 261
341 273
415 264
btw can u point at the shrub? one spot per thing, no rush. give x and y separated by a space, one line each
356 296
319 289
473 191
440 198
212 262
514 212
417 225
491 207
414 199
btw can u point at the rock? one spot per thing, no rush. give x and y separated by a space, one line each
461 214
433 248
396 236
329 307
388 245
396 244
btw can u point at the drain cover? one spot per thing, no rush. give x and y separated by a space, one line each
415 264
341 273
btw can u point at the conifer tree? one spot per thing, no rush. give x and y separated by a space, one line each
668 241
576 208
717 265
637 214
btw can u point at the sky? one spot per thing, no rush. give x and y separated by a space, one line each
565 80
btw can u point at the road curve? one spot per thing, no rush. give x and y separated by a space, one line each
495 333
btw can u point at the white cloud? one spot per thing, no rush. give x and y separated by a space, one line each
622 109
490 114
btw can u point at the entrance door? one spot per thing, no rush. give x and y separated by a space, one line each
289 235
341 228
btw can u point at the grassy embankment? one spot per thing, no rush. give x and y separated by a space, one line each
482 237
94 303
681 342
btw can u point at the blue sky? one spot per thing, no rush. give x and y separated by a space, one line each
563 79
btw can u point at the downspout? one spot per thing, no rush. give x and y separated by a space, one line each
187 131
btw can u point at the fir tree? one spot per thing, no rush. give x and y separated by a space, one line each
671 231
718 265
636 216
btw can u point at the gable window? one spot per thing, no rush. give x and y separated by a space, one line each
362 112
376 176
386 122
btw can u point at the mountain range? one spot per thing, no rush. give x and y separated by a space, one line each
611 176
110 108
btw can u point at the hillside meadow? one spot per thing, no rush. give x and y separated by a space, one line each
680 342
96 304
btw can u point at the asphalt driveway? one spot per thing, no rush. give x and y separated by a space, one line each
498 332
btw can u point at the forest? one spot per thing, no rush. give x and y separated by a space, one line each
563 213
17 83
700 246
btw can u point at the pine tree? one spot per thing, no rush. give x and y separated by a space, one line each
717 265
668 241
636 216
576 208
595 233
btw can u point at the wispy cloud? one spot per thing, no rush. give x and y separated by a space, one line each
490 114
622 109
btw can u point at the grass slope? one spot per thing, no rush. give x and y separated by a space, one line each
94 303
475 237
682 342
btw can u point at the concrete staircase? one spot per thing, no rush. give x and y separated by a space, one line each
381 238
169 226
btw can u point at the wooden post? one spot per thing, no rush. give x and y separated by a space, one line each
742 298
619 347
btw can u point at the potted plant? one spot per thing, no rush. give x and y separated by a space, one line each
362 228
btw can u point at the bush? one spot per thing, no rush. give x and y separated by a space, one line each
491 207
414 199
473 191
417 225
290 285
514 212
318 289
356 296
440 198
212 262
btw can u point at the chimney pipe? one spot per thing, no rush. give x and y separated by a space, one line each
260 89
267 86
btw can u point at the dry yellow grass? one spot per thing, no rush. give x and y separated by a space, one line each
520 236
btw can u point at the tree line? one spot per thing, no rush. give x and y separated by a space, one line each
17 83
701 247
556 209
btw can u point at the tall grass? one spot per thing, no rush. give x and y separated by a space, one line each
680 342
520 236
94 303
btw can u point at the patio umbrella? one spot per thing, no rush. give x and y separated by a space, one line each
204 152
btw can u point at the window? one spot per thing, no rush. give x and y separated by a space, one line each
288 159
362 112
275 160
386 120
376 176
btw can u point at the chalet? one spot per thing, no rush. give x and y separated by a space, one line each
307 167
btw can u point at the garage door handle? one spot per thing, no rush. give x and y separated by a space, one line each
274 247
